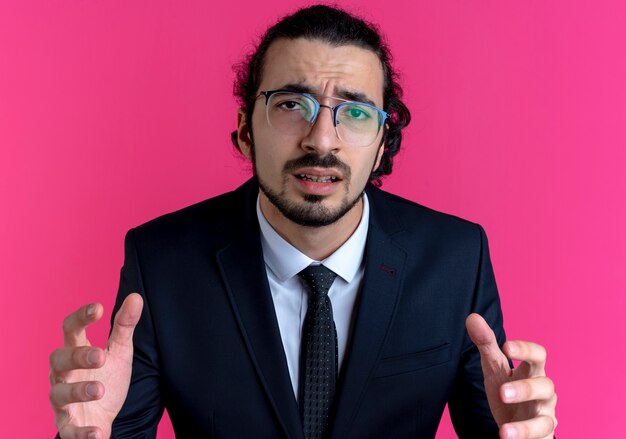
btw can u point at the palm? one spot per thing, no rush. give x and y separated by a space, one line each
115 376
496 374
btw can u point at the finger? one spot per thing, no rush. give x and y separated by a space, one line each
62 394
71 432
530 353
535 428
74 325
485 340
82 357
125 321
530 389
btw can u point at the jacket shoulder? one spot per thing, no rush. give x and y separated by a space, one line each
411 216
214 218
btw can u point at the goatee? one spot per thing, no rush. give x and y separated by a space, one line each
311 212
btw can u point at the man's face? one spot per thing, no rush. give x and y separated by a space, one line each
313 179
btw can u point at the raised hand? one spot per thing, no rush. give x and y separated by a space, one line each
522 400
88 384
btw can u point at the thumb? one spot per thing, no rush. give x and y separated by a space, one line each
125 321
485 340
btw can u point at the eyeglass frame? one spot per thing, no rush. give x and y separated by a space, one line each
334 109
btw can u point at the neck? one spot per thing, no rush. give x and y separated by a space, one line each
316 242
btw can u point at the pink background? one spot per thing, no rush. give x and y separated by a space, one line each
114 112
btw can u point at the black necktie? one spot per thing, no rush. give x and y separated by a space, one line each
318 363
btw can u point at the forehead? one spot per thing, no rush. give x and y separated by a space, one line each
323 68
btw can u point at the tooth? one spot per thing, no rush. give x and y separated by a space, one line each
318 178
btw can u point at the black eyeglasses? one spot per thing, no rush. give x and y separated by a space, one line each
356 123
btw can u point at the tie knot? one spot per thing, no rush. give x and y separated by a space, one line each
317 279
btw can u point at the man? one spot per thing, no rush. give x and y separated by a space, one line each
234 332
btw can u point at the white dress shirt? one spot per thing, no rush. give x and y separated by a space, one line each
283 262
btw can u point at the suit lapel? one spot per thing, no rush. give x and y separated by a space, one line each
243 271
382 282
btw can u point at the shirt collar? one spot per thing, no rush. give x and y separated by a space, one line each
286 261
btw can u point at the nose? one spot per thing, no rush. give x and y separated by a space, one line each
322 137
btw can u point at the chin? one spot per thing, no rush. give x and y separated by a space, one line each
312 210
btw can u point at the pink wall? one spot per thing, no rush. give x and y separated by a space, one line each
114 112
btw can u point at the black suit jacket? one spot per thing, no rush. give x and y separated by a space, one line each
208 346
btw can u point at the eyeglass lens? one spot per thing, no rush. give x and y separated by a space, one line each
292 113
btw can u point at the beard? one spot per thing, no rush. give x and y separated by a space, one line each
311 211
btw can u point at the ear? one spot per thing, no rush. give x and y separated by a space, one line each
244 137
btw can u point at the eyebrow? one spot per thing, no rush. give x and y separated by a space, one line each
343 93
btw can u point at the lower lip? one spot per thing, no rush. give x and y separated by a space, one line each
315 187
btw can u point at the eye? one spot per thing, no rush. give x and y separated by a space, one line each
289 105
357 113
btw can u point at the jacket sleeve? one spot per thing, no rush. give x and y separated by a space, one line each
468 404
143 407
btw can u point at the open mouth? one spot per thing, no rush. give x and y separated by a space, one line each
318 178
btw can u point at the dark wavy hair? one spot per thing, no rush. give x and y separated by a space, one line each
338 28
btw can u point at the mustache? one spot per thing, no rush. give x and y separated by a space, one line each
317 161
